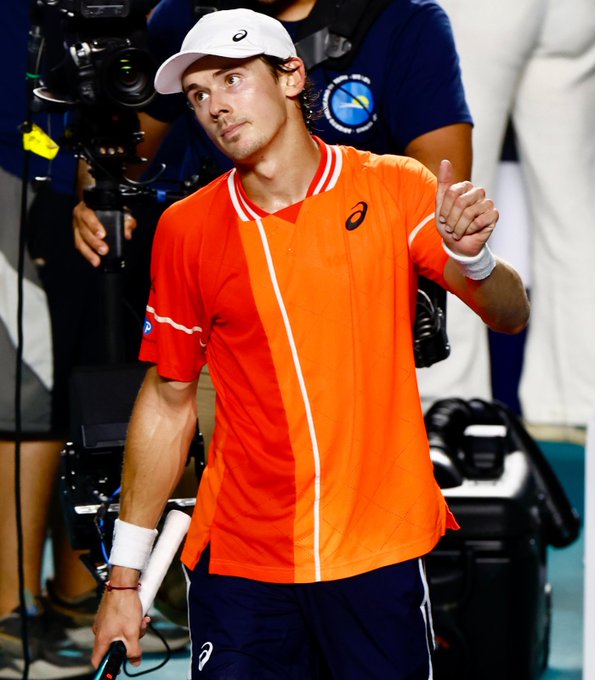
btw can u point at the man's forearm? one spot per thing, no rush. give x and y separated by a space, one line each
154 133
500 299
161 428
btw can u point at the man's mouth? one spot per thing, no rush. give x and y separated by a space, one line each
229 131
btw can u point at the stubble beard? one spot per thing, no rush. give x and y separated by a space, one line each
239 150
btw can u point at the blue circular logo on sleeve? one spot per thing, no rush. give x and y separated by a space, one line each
147 327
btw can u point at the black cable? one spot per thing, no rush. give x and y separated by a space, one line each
18 418
115 660
161 664
34 52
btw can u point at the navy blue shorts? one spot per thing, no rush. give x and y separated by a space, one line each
375 625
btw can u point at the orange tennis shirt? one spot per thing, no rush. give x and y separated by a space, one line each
319 466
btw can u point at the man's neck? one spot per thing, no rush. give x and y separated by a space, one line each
281 179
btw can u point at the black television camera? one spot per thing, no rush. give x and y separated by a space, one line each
97 66
102 59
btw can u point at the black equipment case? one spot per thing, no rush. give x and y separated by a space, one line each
491 599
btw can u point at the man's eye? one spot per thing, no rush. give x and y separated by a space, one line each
198 97
232 79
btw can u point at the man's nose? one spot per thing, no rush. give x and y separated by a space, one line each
218 104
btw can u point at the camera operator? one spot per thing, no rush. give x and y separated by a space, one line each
63 322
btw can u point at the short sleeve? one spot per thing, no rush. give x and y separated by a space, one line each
166 29
423 88
176 327
413 188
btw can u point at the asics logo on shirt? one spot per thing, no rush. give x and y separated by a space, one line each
205 655
357 217
240 35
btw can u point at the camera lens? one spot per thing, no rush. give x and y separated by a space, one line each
128 78
129 74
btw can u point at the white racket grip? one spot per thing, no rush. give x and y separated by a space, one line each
174 529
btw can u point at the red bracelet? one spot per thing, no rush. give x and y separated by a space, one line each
109 587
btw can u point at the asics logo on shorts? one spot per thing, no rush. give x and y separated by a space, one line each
205 655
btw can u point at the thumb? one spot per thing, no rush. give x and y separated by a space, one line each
445 180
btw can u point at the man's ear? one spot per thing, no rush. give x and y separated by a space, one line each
295 81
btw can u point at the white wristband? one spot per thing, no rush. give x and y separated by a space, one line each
478 266
131 545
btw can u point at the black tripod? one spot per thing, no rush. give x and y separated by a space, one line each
106 199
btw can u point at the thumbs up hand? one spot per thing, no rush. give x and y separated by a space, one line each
465 218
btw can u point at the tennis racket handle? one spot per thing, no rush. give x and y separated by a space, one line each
112 662
174 529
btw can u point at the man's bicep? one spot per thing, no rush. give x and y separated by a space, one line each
452 142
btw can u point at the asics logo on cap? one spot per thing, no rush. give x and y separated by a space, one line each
240 35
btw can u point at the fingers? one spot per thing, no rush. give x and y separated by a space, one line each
445 179
129 634
133 647
89 234
144 625
99 651
130 225
465 210
119 618
102 647
134 653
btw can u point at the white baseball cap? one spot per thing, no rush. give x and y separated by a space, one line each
234 33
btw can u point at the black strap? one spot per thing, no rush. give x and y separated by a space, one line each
338 42
333 31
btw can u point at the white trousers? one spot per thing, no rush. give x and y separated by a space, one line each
38 364
534 60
